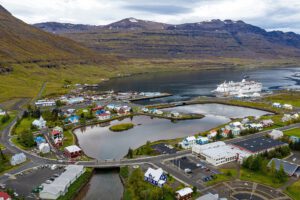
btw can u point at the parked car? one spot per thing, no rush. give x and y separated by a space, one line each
48 181
187 170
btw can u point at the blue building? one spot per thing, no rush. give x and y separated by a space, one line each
39 140
72 119
201 140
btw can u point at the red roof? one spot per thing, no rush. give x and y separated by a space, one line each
4 195
97 108
55 132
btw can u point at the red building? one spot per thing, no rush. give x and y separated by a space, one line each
57 136
4 196
72 151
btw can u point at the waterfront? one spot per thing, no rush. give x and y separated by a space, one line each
186 85
99 142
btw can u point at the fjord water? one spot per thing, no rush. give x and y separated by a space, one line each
189 84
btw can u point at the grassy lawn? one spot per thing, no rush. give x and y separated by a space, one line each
286 97
24 125
259 177
16 142
3 125
121 127
293 132
227 174
69 139
294 190
77 185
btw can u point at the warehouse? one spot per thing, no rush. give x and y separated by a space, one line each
258 145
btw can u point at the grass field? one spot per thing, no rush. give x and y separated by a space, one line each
294 190
3 125
24 125
292 132
286 97
69 139
258 177
227 174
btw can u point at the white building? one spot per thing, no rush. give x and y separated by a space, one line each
188 142
44 148
2 112
287 106
286 118
276 105
103 116
155 177
61 184
39 123
276 134
210 196
17 159
218 153
45 103
212 134
184 193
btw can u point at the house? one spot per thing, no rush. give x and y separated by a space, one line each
287 106
267 122
212 134
71 110
156 177
110 106
175 114
236 131
291 169
225 132
57 136
104 116
72 119
157 112
2 112
184 194
188 142
72 151
286 118
202 140
4 196
276 134
255 126
17 159
295 116
39 140
45 103
39 123
245 121
97 108
294 139
145 110
276 105
75 100
99 112
44 148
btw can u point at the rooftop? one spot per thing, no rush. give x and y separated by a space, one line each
258 144
289 168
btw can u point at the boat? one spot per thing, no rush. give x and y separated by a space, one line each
244 87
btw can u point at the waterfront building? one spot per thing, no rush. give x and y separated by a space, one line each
188 142
276 134
39 123
72 119
72 151
104 116
17 159
184 194
201 140
212 134
156 177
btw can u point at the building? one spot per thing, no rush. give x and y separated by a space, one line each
2 112
289 168
17 159
276 105
72 119
276 134
104 116
294 139
44 148
39 123
45 103
39 140
61 184
212 134
75 100
220 153
72 151
267 122
57 136
175 114
184 194
201 140
4 196
258 145
287 106
286 118
156 177
188 142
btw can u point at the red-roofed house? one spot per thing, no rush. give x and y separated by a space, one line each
5 196
57 136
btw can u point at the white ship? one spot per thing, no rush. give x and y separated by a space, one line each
238 88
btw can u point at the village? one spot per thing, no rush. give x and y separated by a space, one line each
45 131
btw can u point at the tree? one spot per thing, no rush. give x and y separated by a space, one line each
280 175
130 153
273 167
194 189
219 135
26 138
3 157
5 118
230 135
59 103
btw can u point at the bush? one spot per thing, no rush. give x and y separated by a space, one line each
121 127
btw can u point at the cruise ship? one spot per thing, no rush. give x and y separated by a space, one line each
244 87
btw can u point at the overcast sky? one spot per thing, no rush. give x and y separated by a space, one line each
269 14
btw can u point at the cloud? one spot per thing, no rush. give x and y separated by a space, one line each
269 14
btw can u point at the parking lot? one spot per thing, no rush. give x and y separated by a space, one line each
162 148
194 168
24 183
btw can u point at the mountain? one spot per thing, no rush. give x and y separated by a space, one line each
58 28
23 43
209 39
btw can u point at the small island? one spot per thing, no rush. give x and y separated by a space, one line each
121 127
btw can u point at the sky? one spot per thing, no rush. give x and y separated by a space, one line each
269 14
